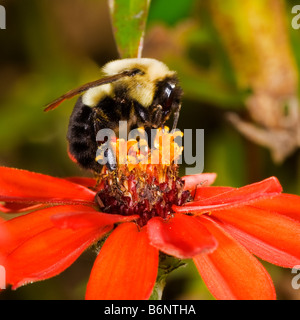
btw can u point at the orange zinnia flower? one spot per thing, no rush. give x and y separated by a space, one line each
141 212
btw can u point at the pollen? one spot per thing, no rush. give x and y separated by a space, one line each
146 181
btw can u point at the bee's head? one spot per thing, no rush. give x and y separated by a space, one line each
167 97
145 76
151 84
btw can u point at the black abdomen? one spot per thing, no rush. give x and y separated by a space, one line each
86 121
81 136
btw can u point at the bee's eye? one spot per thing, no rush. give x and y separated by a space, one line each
168 94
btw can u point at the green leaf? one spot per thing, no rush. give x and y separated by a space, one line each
129 21
171 12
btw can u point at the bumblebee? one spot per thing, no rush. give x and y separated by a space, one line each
141 91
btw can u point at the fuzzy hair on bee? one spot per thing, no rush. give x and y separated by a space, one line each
141 91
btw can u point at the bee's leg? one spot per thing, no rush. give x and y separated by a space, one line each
157 116
149 136
176 117
142 112
105 156
110 156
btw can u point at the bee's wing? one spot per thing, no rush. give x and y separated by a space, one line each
72 93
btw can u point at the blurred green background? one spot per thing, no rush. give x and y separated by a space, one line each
232 57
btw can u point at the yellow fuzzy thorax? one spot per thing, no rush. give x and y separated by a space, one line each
140 87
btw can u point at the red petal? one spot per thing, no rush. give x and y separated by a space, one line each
10 207
181 236
4 238
38 250
287 204
203 193
83 181
126 267
236 197
80 220
24 227
29 187
271 236
231 272
192 181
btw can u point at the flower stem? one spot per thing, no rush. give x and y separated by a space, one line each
166 265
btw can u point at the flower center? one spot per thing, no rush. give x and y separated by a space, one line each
140 187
